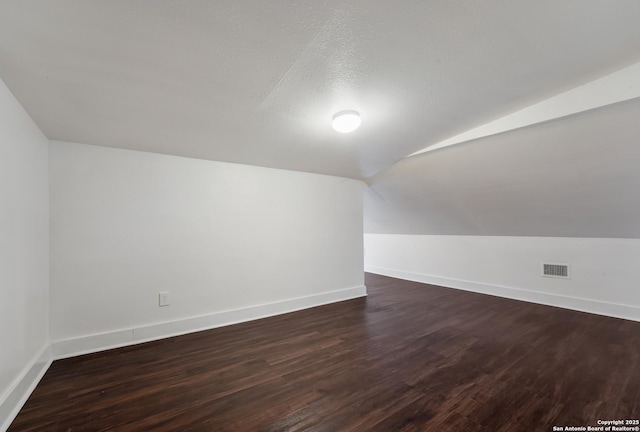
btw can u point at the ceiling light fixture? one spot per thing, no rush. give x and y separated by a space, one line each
346 121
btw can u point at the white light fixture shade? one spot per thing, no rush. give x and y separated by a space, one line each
346 121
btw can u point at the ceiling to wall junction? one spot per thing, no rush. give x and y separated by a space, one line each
257 82
577 176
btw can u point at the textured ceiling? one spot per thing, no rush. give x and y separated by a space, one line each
572 177
257 82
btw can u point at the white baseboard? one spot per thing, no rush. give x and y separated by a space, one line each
103 341
14 398
574 303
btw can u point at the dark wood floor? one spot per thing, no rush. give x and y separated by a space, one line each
410 357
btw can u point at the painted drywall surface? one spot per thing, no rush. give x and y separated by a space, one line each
126 225
602 269
572 177
257 82
616 87
24 244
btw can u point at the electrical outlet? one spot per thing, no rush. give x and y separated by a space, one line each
163 298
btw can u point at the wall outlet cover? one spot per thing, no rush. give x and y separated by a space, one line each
163 298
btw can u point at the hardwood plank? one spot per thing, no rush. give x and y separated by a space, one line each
410 357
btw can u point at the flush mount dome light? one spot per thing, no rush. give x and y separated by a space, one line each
346 121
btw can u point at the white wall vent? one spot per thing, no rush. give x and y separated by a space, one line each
555 270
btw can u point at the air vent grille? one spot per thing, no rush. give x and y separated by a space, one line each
555 270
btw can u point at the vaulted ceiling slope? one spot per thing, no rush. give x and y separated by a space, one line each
576 176
256 82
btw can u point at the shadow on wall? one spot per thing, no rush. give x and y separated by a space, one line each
575 176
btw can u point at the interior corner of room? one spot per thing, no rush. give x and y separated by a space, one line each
126 218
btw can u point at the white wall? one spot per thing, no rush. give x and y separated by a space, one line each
604 272
24 254
572 177
482 215
219 237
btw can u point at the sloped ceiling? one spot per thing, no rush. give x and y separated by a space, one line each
578 176
256 82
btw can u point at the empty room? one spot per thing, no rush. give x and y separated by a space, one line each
326 216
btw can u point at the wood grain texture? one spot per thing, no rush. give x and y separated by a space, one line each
410 357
